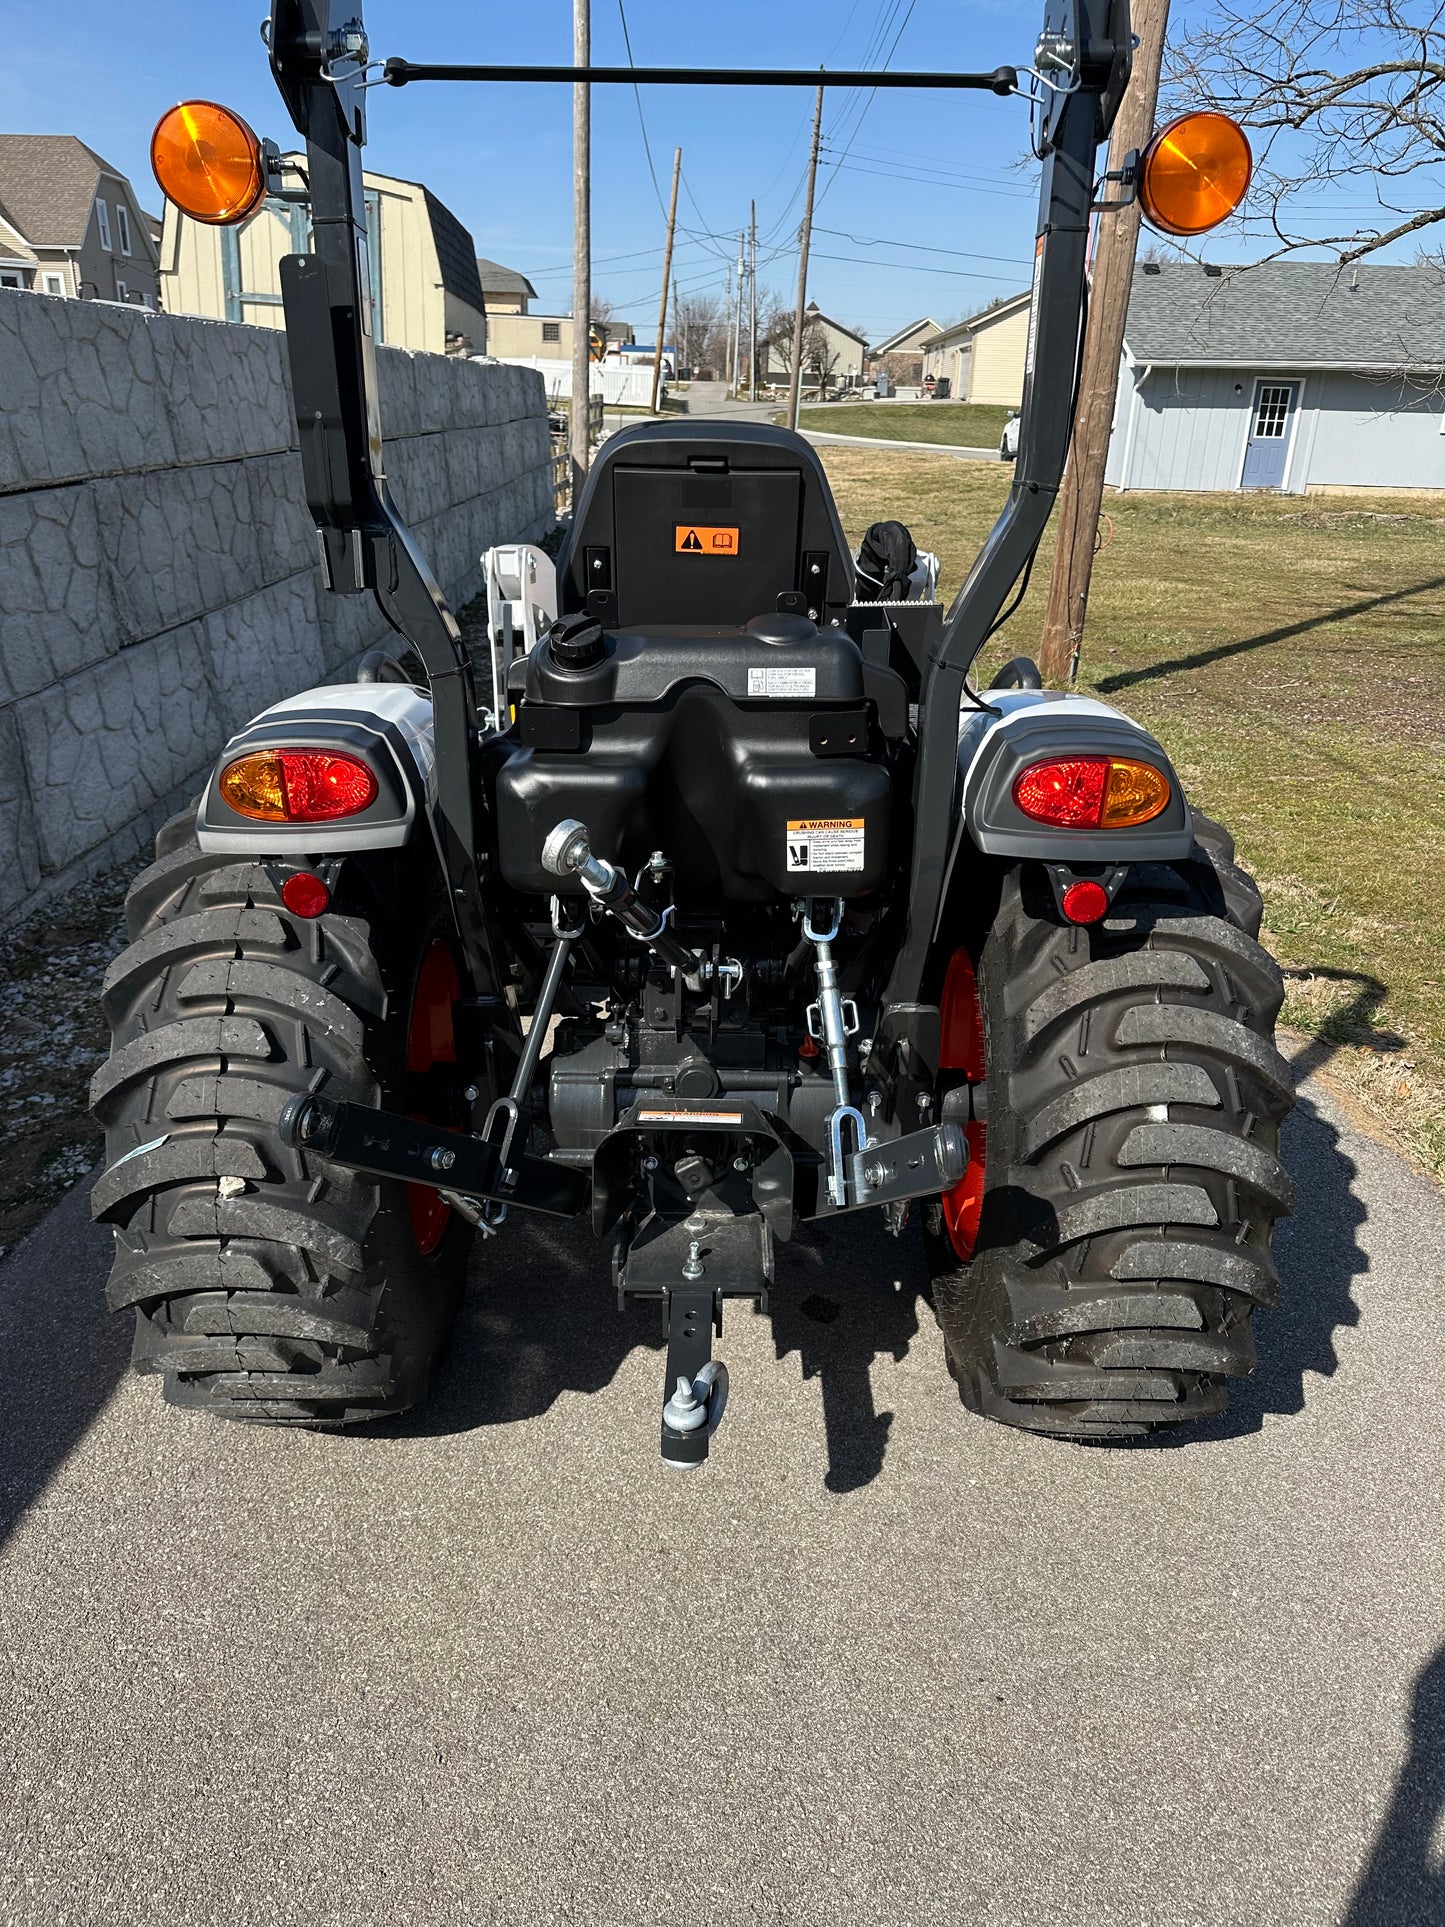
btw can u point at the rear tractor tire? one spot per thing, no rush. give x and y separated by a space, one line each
268 1285
1097 1269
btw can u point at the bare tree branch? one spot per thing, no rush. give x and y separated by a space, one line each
1334 92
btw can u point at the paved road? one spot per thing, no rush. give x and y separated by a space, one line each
879 1663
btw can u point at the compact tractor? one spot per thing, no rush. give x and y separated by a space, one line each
709 901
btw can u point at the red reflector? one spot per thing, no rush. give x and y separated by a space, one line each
1085 902
1069 792
304 894
321 784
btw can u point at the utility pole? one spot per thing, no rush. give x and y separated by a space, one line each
580 411
1082 496
737 340
753 301
805 241
666 278
728 325
679 334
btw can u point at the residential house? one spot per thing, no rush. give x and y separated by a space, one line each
425 291
543 337
504 291
1290 375
982 357
833 355
70 223
901 355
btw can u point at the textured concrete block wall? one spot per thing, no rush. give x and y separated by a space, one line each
158 580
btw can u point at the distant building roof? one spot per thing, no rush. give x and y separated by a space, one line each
1288 314
496 279
13 246
995 311
814 313
47 187
925 325
456 253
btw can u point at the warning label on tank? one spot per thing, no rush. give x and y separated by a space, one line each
826 843
694 540
782 682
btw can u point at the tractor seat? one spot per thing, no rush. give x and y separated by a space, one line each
684 526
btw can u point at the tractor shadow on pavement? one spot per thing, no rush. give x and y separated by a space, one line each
62 1353
541 1319
1318 1256
1404 1878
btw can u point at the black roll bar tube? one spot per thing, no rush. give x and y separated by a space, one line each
365 545
1002 80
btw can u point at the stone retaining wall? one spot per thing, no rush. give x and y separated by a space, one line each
158 576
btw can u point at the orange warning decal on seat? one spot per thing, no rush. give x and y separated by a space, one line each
694 540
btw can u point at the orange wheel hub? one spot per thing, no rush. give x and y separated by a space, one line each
961 1048
431 1039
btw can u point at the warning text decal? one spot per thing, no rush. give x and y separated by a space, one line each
693 539
826 843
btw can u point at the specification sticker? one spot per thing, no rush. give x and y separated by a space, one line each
700 1118
782 682
826 843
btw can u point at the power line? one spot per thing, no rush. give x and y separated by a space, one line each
919 247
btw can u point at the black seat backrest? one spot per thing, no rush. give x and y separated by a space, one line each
683 523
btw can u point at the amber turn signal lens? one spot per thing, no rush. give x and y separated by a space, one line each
1092 792
207 160
297 785
1194 173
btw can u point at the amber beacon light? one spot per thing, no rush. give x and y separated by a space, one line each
1194 173
208 161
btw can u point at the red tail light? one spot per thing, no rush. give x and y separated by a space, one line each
297 785
1092 792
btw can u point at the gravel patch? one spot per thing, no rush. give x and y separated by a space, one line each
52 1038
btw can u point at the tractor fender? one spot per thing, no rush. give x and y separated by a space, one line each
1025 726
385 725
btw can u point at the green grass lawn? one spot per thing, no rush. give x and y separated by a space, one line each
1290 654
961 424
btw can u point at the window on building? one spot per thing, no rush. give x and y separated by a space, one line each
551 331
122 292
10 279
54 284
1272 412
102 221
122 226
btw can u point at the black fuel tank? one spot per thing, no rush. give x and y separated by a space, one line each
747 756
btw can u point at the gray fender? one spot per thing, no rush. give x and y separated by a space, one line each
1024 726
387 726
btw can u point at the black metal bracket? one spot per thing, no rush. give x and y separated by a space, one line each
387 1145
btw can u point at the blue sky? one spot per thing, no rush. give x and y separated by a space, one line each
924 206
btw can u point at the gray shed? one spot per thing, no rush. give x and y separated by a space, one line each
1291 375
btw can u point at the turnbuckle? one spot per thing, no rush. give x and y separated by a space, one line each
829 1023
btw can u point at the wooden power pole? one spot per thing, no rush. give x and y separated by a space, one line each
795 382
580 410
666 278
753 303
1082 496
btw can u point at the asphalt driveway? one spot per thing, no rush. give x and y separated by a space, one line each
880 1662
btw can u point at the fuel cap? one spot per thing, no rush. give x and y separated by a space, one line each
577 641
